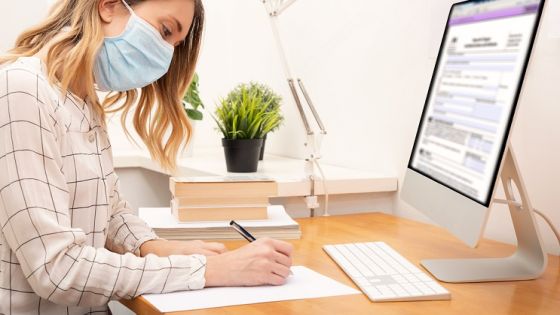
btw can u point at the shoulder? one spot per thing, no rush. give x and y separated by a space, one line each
25 94
24 75
24 82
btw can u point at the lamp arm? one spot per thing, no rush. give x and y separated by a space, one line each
312 107
301 111
288 73
313 140
285 6
280 46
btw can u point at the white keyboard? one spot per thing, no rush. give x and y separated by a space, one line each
383 274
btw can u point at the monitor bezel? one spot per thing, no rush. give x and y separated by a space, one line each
519 88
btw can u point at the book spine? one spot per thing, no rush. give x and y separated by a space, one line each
211 190
194 201
219 214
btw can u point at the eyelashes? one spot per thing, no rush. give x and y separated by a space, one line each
165 31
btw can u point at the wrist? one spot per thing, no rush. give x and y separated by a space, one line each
212 274
149 247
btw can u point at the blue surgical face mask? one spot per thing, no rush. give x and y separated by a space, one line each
134 59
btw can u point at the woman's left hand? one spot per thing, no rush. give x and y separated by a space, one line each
164 248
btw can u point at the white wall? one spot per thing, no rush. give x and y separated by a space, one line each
15 16
367 64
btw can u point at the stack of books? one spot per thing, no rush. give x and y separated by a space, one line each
220 198
279 225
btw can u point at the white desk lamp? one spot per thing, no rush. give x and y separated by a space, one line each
313 140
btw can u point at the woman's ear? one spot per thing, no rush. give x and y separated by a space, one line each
114 17
108 9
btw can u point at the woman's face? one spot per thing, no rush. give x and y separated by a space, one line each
172 18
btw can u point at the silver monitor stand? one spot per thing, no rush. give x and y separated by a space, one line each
529 260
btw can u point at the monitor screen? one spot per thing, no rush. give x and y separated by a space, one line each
473 94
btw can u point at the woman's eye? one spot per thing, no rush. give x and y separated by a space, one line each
165 31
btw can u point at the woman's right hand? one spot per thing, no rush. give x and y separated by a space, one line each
262 262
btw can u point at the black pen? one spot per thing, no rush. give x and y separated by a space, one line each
242 231
245 234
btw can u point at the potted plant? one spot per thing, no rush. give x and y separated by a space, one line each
244 118
192 104
267 95
192 101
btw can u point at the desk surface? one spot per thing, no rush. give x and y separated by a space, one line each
414 241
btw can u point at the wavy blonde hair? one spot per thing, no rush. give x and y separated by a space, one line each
158 117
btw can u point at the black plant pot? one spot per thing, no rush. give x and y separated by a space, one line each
262 148
242 155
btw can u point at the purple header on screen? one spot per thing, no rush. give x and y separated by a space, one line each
493 15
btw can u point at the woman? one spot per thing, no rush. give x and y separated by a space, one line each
69 243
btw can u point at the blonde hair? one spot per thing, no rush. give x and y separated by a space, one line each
159 117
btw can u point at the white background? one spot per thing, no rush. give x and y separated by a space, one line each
367 64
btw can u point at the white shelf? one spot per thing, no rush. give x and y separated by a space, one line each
288 172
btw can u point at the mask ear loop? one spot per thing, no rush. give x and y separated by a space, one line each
128 7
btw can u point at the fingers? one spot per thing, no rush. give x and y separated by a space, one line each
217 248
278 275
200 247
279 246
279 258
276 251
282 247
280 270
282 259
277 280
263 262
208 252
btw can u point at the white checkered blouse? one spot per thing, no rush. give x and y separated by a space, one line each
68 242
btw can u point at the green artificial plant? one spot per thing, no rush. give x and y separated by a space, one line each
250 111
192 101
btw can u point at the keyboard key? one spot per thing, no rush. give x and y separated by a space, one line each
386 291
423 277
373 293
399 279
363 282
411 278
398 289
352 271
411 289
436 287
423 288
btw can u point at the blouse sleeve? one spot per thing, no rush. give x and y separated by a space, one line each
34 216
126 232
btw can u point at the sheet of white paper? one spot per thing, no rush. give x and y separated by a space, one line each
161 218
303 284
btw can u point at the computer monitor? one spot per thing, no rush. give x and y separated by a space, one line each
462 139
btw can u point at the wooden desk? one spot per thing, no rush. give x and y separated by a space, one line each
414 241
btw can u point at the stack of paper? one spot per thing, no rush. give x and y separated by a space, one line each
279 225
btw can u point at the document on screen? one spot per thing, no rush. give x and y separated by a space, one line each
471 100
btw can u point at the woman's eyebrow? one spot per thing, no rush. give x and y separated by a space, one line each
179 25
